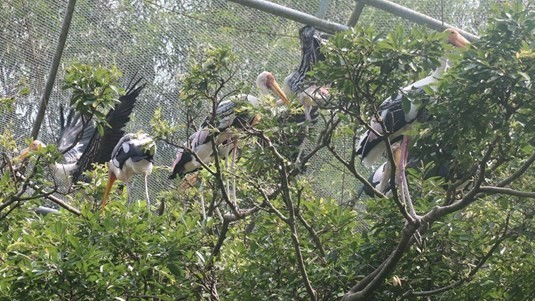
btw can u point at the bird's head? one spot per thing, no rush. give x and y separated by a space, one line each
34 146
456 39
311 41
266 80
146 143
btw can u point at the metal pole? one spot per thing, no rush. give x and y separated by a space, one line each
292 14
415 17
331 27
356 14
322 9
54 68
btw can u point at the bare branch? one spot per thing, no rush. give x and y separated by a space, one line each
507 191
355 173
363 289
520 171
220 240
311 232
48 195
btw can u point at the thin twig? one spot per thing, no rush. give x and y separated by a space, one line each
507 191
48 195
505 234
519 172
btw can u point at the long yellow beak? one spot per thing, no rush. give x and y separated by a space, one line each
460 41
457 39
23 155
111 180
277 90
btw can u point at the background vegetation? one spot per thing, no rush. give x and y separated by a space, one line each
283 239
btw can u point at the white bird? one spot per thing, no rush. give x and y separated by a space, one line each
79 142
134 154
228 117
391 113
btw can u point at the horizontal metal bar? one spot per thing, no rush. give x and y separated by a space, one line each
415 17
292 14
331 27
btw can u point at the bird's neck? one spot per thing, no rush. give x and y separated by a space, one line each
64 171
444 65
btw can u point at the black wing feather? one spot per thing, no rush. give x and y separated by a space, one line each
117 119
75 134
99 149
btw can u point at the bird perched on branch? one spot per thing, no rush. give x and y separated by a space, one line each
133 154
294 84
380 178
307 94
82 145
221 129
392 116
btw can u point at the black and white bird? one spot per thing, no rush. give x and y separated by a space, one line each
392 116
81 145
309 95
380 178
75 133
229 118
133 154
294 84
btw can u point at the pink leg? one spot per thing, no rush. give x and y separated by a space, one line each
307 109
232 166
402 177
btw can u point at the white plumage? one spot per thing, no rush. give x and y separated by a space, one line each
371 147
229 118
133 154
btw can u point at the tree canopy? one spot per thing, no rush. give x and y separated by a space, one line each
279 240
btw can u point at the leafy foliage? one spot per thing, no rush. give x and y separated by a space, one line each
118 256
278 240
94 90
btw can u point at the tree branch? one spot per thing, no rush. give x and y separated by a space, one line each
507 191
50 197
520 171
313 234
505 234
363 289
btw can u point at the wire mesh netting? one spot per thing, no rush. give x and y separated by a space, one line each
157 39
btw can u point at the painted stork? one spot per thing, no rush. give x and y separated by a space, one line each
380 178
394 118
82 145
133 154
309 97
227 116
311 41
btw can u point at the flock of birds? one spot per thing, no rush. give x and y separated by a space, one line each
129 154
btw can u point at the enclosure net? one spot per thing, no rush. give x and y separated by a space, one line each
155 39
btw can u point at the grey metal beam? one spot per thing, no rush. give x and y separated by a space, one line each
359 6
54 68
292 14
415 16
322 9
